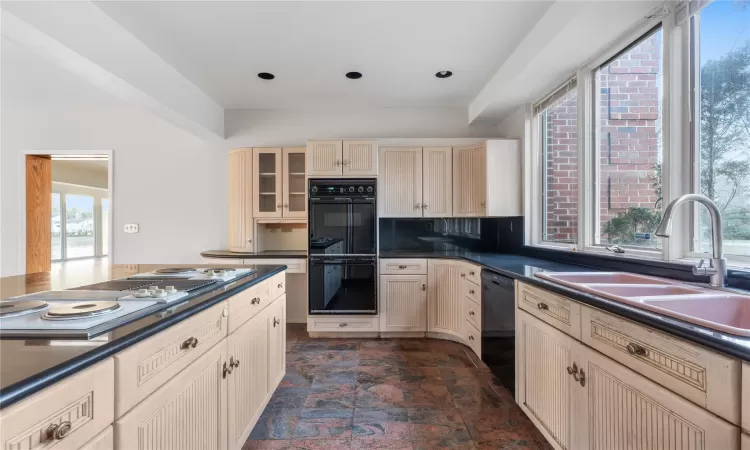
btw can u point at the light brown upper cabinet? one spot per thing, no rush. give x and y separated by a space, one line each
415 182
342 158
240 199
279 182
294 189
487 179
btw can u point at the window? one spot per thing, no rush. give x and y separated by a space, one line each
105 226
558 126
79 226
56 227
627 155
721 108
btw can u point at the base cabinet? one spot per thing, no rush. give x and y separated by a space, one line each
544 388
444 314
403 303
276 325
189 412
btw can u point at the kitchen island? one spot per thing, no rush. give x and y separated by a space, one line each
198 371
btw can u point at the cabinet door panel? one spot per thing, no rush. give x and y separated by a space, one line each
444 305
403 303
248 382
324 158
400 182
360 158
267 185
627 411
437 192
294 183
241 200
469 181
276 342
544 388
187 413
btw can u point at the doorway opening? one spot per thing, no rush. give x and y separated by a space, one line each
68 211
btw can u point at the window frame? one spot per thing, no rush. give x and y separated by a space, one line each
65 189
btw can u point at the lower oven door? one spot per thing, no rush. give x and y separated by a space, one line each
343 285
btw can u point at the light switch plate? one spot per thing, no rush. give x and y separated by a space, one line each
131 227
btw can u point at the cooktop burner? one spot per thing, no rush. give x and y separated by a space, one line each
176 270
81 310
17 308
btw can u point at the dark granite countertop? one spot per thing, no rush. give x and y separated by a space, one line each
301 254
523 268
30 365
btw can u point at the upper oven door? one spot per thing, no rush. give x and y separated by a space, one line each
349 221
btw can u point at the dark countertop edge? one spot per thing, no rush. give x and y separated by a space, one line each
250 255
23 389
693 333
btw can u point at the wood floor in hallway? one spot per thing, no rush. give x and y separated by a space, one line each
395 394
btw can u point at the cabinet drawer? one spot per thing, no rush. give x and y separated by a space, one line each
81 404
473 338
472 273
293 265
248 303
103 441
143 368
471 290
558 311
473 313
707 378
343 324
403 267
277 285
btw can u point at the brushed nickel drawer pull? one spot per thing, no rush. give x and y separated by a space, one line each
343 324
255 301
635 349
59 432
276 322
402 267
542 306
189 342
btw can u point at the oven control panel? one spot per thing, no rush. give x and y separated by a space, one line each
351 187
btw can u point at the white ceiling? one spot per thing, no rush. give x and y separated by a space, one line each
309 46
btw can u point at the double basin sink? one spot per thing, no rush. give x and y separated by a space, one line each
711 308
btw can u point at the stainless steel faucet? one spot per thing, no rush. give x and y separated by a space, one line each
717 270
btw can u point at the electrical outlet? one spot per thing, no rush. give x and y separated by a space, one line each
286 230
131 228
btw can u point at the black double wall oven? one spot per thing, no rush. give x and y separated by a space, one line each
342 256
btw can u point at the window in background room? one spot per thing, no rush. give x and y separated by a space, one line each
105 226
628 145
79 226
721 143
558 126
56 227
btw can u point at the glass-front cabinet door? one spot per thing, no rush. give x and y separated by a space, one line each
267 182
294 190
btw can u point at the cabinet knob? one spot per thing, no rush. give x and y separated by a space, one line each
286 205
343 324
484 204
280 285
580 377
463 275
635 349
227 370
424 206
471 291
542 306
338 163
572 370
424 287
249 241
278 205
402 267
59 431
233 362
276 322
418 206
346 162
190 342
255 301
471 338
472 273
471 313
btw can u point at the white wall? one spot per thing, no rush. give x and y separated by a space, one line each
514 125
80 173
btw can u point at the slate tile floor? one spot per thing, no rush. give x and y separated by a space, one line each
395 394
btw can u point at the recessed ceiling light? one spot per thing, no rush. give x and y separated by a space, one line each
353 75
266 76
444 74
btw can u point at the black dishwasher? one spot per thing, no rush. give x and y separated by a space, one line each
499 327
